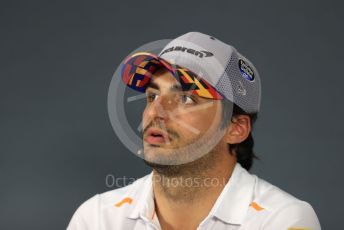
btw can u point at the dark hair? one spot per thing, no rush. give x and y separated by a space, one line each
244 150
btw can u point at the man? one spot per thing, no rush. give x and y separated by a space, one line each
202 99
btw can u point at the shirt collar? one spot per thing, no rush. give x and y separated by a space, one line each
236 197
144 205
230 207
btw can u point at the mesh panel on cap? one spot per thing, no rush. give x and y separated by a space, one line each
244 93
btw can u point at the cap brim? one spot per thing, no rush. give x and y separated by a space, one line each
138 69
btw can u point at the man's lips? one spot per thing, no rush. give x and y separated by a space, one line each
156 136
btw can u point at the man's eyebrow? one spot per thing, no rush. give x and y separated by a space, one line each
174 88
152 85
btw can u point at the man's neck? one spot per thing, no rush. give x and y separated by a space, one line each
183 200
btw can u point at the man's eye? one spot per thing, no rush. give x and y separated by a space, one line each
151 97
187 99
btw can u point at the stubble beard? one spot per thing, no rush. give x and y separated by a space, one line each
193 158
189 163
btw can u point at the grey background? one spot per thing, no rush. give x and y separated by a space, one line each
57 60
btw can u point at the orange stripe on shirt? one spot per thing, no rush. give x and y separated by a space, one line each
256 206
125 200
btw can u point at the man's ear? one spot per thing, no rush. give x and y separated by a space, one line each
238 129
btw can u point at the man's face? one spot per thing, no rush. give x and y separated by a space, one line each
178 126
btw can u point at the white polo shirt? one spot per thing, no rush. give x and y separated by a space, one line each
246 203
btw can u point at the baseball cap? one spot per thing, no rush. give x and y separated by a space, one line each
202 64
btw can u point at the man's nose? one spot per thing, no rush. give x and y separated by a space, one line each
162 107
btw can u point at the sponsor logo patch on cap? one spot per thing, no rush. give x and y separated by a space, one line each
246 70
